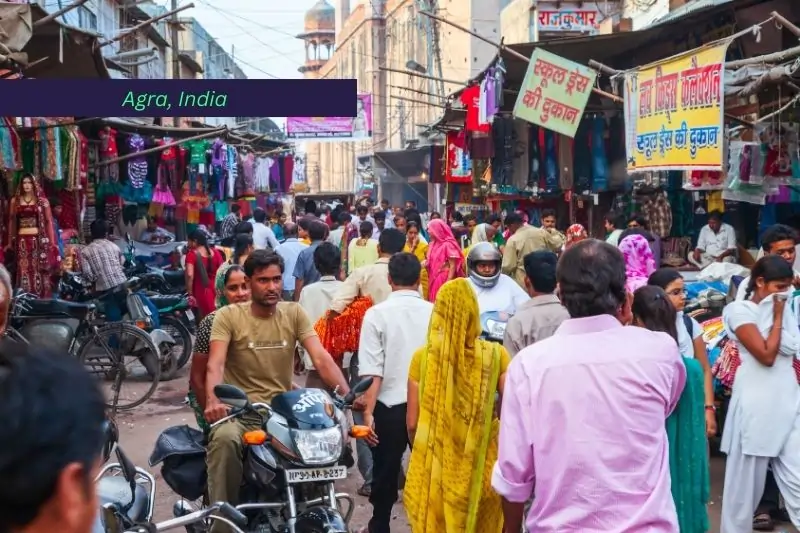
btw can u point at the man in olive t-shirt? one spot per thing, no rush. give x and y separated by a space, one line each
252 347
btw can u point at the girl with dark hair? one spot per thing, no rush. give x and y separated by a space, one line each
690 336
202 263
231 288
686 426
762 427
242 248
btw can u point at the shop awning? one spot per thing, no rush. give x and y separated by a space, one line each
71 52
619 50
403 166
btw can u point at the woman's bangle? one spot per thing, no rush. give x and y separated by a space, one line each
711 407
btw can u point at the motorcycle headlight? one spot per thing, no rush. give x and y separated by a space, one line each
318 447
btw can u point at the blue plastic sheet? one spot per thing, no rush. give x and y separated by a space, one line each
694 288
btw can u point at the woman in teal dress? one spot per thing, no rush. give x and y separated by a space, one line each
686 425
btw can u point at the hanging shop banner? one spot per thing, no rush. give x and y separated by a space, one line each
554 93
299 178
674 112
358 128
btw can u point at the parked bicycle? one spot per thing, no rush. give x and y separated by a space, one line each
106 349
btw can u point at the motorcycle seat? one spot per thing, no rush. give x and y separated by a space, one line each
116 490
174 277
165 301
40 307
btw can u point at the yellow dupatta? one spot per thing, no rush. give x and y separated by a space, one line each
448 486
420 251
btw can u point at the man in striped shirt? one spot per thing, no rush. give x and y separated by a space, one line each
101 265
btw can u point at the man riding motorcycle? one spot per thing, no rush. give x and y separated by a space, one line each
495 290
252 347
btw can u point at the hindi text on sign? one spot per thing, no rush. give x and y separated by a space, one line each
554 93
674 112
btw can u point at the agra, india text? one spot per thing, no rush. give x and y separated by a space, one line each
162 101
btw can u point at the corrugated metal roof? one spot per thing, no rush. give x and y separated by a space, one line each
689 8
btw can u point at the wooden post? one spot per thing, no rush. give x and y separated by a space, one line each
211 133
56 14
145 24
415 91
417 101
510 51
418 75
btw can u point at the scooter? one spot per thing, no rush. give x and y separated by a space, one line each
126 493
493 325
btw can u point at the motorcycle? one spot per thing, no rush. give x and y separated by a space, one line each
126 493
222 511
493 325
290 464
138 310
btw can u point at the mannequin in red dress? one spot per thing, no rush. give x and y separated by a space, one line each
31 237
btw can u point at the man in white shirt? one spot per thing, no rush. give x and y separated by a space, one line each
263 236
390 334
316 297
290 250
777 240
495 290
362 215
716 243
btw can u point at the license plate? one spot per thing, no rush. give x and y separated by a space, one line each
189 314
310 475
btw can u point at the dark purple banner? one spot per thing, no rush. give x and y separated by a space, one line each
178 98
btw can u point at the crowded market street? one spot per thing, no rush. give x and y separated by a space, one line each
140 428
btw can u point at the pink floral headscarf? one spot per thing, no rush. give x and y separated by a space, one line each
443 247
639 261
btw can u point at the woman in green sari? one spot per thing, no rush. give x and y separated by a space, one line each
231 288
686 426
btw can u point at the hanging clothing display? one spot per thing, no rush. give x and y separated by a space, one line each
138 190
167 174
459 163
470 98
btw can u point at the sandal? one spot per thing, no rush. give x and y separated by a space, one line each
763 522
364 490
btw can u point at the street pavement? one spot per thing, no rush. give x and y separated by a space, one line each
140 428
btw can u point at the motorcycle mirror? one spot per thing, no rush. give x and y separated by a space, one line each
127 237
231 395
360 388
111 519
128 468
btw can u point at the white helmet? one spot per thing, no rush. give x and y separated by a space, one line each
484 252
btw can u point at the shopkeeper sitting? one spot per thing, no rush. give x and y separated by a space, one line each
155 234
716 243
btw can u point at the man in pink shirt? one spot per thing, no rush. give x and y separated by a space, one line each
583 420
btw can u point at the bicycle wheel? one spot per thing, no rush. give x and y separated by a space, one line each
183 338
109 350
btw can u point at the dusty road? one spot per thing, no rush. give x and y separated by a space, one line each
139 429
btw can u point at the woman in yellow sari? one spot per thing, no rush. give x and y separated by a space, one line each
417 246
451 423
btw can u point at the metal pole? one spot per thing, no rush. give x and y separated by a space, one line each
174 37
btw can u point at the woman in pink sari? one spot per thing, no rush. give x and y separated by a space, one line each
639 261
445 258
